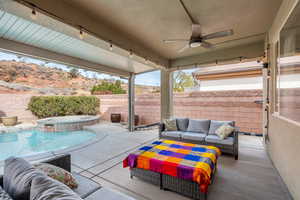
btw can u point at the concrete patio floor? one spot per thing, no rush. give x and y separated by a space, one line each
251 177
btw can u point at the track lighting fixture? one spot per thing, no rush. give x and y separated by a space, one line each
33 14
130 54
80 34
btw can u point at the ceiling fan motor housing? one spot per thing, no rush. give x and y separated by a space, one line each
195 42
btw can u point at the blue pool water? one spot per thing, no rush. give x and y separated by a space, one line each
25 143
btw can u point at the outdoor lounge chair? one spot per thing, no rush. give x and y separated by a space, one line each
87 188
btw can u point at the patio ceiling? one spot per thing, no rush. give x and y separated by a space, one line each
142 25
153 21
47 38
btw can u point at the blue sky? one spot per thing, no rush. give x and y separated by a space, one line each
150 78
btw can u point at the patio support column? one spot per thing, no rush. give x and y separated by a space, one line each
166 94
131 98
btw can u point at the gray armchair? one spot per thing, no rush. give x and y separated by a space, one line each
87 189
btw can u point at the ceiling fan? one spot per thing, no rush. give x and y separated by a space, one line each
197 39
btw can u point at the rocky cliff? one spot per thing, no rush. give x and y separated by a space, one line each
21 77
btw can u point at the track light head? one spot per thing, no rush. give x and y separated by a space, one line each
130 54
81 34
33 14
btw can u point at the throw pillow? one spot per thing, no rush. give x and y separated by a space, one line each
170 125
214 125
46 188
182 123
58 174
17 177
4 195
224 131
200 125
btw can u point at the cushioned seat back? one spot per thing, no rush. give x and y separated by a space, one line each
214 125
4 195
182 124
198 125
17 178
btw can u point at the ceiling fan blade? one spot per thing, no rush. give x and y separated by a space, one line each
207 44
175 40
218 34
187 46
196 30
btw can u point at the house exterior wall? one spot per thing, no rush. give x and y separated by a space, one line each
283 139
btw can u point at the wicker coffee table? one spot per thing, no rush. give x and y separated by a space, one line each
187 169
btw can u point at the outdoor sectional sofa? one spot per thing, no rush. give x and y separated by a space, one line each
87 189
202 131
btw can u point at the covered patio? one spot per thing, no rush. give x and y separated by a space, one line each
253 176
129 39
44 30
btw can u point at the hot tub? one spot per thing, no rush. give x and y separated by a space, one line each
66 123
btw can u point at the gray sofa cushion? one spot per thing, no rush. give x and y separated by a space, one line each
175 134
4 195
214 125
182 123
46 188
198 125
85 186
108 194
17 177
193 136
217 140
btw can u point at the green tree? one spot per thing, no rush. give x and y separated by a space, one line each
182 80
106 86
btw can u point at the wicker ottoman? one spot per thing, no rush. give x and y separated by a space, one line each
166 182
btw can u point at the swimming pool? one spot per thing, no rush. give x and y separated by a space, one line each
32 142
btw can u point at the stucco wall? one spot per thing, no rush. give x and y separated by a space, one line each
283 147
284 135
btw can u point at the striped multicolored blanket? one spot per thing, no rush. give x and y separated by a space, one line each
182 160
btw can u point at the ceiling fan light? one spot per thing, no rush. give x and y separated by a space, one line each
195 44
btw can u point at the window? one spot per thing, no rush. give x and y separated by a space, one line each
288 87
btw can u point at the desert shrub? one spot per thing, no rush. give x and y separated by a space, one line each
50 106
74 73
105 87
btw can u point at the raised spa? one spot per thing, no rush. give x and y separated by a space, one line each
67 123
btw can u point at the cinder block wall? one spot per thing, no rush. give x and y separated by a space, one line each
219 105
16 105
240 106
